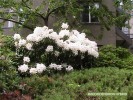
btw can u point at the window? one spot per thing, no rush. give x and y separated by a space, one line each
10 24
87 17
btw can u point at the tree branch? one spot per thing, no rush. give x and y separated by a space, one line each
36 13
17 23
50 12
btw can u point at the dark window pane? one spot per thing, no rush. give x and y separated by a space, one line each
94 18
86 9
85 17
85 14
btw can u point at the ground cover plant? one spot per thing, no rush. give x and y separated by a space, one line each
77 84
8 74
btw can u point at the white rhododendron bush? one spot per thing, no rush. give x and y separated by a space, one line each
46 50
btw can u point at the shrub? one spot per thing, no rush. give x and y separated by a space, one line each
120 52
115 57
6 52
77 84
8 73
61 51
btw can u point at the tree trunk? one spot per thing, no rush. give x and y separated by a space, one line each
46 21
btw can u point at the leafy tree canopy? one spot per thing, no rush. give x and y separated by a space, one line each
26 13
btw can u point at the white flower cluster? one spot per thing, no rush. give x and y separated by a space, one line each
26 59
17 37
69 68
24 68
56 53
55 66
59 67
19 42
64 25
75 42
40 68
49 48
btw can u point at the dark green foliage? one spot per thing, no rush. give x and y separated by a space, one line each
120 52
6 52
8 79
8 74
76 85
114 57
130 93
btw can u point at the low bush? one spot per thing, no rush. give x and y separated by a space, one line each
76 85
114 57
7 51
8 74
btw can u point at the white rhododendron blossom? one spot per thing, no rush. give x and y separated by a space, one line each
40 68
76 41
38 38
21 42
16 44
28 46
17 37
51 30
53 36
63 33
23 68
40 30
33 70
56 53
60 43
69 68
49 48
30 38
59 67
64 25
26 59
65 43
52 66
55 66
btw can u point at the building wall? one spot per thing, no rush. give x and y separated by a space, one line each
102 37
109 37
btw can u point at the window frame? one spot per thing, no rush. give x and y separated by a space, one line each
90 16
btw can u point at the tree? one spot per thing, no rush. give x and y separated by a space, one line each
25 14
